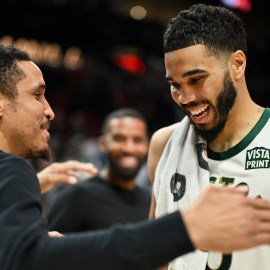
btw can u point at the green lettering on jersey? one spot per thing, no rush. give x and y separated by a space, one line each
224 181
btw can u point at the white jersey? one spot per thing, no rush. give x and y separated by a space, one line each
247 163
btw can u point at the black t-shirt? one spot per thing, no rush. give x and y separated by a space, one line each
96 204
25 245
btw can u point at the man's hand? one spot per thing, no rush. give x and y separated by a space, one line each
55 234
224 219
62 172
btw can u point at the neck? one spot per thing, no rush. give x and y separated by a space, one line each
123 184
241 119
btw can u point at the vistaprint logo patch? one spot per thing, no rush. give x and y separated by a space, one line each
258 158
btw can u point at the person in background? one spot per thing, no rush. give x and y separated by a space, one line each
25 117
112 196
224 138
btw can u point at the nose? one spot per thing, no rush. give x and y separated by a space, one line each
186 95
129 146
48 111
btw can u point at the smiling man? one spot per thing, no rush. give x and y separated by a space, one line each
111 197
224 138
25 135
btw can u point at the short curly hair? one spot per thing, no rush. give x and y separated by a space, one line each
220 30
10 73
119 113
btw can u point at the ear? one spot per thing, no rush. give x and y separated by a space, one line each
237 64
1 105
101 143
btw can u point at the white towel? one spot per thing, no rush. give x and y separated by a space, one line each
180 175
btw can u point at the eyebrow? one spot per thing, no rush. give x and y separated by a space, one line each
40 85
188 73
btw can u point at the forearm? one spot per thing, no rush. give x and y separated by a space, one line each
146 245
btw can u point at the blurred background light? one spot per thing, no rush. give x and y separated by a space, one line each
129 62
242 5
138 12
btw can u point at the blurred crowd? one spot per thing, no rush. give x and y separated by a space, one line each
82 98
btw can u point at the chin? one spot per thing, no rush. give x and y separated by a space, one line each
42 153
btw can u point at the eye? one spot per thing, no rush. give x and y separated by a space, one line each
139 139
196 80
38 95
118 138
174 85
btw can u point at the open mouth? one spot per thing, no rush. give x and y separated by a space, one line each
200 113
128 162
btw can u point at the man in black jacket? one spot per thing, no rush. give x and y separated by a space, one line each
25 117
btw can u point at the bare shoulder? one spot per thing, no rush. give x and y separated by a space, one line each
157 144
162 135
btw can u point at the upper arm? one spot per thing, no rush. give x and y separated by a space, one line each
157 144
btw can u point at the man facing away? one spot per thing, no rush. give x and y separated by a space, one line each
25 117
224 138
112 196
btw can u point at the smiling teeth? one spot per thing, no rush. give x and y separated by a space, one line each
199 111
129 161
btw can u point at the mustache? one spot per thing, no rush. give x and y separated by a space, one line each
45 125
192 104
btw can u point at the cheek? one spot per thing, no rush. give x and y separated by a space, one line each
175 96
142 150
113 147
213 89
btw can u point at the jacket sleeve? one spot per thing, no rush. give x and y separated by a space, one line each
25 243
145 245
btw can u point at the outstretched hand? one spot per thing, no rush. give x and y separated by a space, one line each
220 216
62 172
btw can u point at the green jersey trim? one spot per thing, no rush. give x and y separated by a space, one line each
244 142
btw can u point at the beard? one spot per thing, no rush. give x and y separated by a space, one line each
44 154
225 102
122 173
